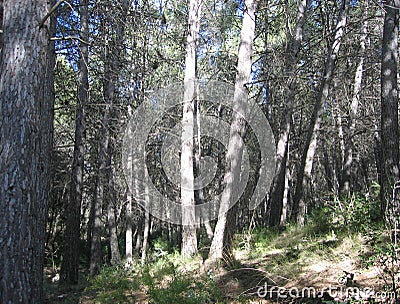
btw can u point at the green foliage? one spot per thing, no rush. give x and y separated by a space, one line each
164 281
358 213
260 240
170 286
161 247
113 285
319 222
386 261
65 93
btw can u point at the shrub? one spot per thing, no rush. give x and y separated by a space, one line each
113 285
166 285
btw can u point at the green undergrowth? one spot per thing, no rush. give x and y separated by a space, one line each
114 285
171 279
346 235
335 233
168 285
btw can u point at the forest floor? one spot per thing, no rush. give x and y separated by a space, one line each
293 266
300 266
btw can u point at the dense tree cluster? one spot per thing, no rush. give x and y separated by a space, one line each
324 73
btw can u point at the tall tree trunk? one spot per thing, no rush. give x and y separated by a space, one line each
47 117
146 230
1 24
293 44
285 200
305 168
222 241
128 232
97 211
112 55
138 243
25 136
71 250
345 180
129 219
389 113
112 223
189 238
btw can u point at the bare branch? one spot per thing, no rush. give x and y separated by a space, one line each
53 10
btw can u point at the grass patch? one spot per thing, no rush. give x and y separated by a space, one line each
114 284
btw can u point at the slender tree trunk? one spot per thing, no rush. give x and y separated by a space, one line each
112 228
339 146
112 223
348 151
71 250
221 243
285 201
189 238
1 24
198 194
128 232
305 169
389 114
95 246
47 117
112 55
293 44
25 136
138 243
146 230
129 218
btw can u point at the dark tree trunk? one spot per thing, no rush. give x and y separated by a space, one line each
111 217
346 176
389 110
71 250
95 245
48 118
25 136
128 232
307 158
112 55
1 24
293 45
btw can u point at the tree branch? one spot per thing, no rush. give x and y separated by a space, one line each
53 10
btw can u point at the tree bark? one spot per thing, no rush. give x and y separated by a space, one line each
112 223
389 113
345 180
97 211
71 250
305 168
222 241
189 237
286 190
112 55
293 44
146 230
1 24
25 136
129 219
128 232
